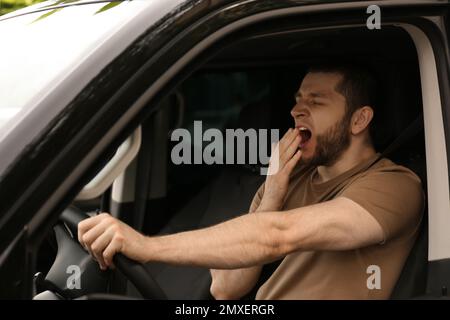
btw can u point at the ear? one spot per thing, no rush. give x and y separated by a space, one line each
361 119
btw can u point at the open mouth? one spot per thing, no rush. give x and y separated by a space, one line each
305 133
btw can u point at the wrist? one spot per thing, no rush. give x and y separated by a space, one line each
147 249
269 205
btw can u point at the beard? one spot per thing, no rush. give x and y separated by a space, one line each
331 144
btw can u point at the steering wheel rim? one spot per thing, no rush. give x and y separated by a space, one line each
132 270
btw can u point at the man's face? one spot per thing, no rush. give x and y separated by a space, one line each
320 113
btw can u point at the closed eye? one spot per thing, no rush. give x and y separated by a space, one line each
317 103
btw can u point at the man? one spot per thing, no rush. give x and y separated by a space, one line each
334 210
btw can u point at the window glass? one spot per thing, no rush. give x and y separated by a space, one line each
40 49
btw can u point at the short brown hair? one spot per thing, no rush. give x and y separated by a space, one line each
358 86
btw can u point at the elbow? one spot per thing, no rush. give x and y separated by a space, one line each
277 240
218 292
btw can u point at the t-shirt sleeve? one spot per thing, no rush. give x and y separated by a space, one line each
394 197
257 199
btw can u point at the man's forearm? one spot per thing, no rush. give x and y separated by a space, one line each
238 243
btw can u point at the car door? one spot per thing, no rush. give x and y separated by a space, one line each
129 88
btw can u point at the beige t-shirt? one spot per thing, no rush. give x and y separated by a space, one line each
392 194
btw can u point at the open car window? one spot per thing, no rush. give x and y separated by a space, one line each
61 39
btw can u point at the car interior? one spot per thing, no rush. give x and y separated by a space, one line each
251 84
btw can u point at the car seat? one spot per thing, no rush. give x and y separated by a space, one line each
402 105
226 197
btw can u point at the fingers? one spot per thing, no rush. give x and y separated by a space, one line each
291 150
288 146
88 237
290 165
99 246
288 132
114 247
287 139
95 234
87 224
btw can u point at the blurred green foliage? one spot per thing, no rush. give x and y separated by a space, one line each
7 6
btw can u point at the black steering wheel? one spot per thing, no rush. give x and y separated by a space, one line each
132 270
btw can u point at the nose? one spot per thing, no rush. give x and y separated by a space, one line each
299 110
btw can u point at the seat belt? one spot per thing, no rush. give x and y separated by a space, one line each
411 130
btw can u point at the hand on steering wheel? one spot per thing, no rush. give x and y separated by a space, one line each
132 270
103 236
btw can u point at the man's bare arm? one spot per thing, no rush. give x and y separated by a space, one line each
246 241
254 239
